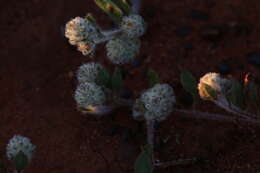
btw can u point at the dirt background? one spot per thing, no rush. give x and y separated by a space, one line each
37 79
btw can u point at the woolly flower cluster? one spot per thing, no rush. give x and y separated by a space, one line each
122 50
133 26
220 85
157 102
19 144
86 48
89 72
82 33
89 94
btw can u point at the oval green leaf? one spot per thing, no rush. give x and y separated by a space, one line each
153 78
143 163
189 84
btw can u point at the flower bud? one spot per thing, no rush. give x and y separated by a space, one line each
88 72
156 103
89 94
19 144
133 25
122 50
212 85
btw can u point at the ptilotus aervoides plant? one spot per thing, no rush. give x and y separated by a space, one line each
122 42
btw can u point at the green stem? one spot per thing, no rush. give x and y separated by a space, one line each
150 136
175 162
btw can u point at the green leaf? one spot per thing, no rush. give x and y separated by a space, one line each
143 163
90 17
189 84
124 5
236 96
111 9
20 161
103 78
153 78
117 79
213 94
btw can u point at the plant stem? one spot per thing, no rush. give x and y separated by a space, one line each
175 162
150 136
136 5
217 117
108 35
223 103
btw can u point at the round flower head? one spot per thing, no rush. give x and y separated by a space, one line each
216 82
133 26
19 144
89 72
86 48
89 94
158 102
122 50
80 29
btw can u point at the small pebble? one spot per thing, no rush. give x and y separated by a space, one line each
113 130
199 15
212 33
188 46
253 58
183 31
224 68
240 29
70 74
136 63
186 99
126 93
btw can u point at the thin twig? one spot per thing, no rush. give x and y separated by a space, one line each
112 32
108 35
223 103
175 162
217 117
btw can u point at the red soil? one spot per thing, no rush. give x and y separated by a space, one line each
37 75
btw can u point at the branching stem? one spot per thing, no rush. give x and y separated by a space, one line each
136 5
217 117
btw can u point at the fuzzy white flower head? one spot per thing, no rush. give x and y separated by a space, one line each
133 25
89 94
19 144
86 48
89 72
80 29
221 86
122 50
157 102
